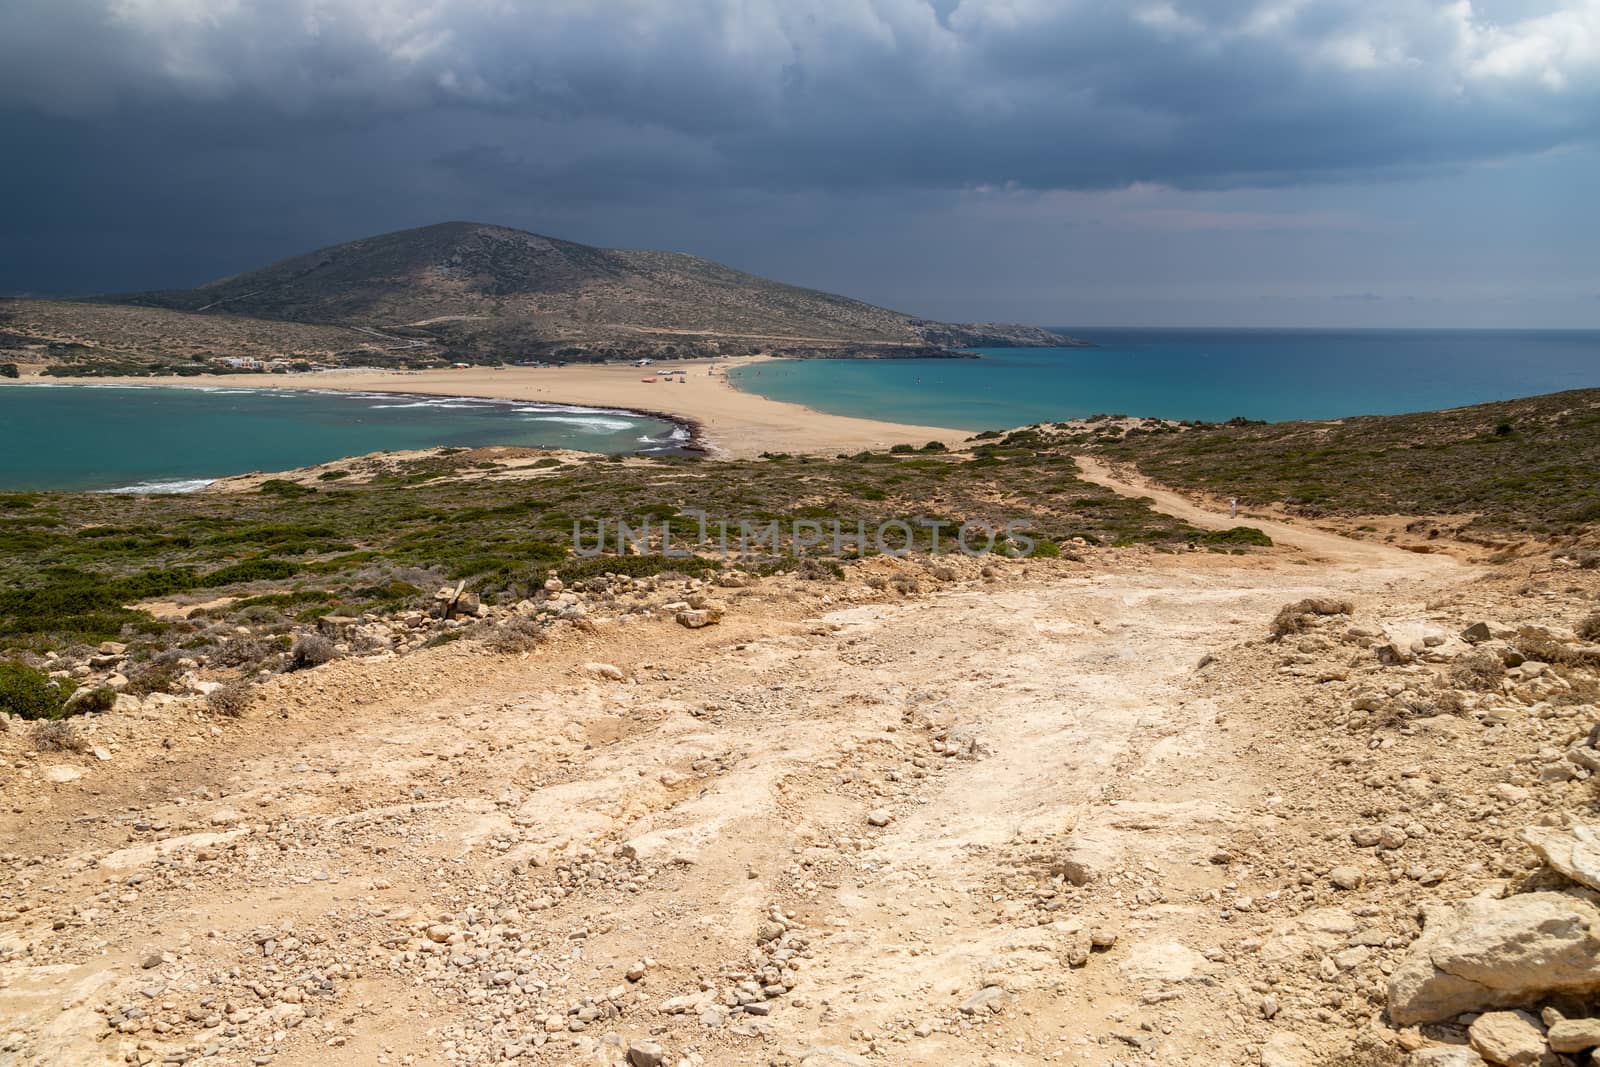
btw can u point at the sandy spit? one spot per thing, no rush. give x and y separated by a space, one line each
727 421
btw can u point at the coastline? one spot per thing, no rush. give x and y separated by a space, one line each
720 418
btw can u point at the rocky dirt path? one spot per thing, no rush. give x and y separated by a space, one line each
979 824
1321 544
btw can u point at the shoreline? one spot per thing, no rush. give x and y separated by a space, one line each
721 419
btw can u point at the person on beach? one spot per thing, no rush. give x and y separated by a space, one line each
1233 507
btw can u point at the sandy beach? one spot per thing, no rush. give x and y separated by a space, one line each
729 422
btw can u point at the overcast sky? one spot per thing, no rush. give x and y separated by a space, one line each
1250 162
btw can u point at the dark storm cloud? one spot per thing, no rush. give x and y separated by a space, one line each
306 121
1043 94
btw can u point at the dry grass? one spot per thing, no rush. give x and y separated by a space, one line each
1539 644
1299 617
241 652
1480 671
512 636
230 701
57 735
311 650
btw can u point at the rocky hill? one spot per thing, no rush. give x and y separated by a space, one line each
470 290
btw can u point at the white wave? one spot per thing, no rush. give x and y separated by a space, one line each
83 385
575 409
678 435
452 403
597 425
182 485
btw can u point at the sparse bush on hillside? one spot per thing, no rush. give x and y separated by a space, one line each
512 636
93 702
254 570
73 567
57 735
284 487
1519 467
1237 535
241 652
229 701
311 650
1297 617
812 569
159 674
1480 670
1539 644
1589 628
31 694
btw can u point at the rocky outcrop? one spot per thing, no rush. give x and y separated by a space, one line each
1497 953
1574 852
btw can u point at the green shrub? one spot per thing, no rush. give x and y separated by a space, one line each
1238 535
31 694
285 488
96 700
646 566
253 570
157 675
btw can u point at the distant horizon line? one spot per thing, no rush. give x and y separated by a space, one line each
1330 329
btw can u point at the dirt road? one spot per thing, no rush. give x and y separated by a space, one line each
979 824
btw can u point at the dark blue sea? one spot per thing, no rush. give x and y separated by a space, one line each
1212 375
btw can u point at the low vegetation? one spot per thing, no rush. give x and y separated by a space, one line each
31 694
76 569
1515 468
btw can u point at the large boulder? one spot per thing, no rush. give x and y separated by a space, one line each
1489 953
1573 852
1508 1038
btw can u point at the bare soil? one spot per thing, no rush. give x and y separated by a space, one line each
1058 812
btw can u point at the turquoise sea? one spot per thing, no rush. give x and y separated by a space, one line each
1195 374
154 439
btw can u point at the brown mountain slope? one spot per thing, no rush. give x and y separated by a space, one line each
488 291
